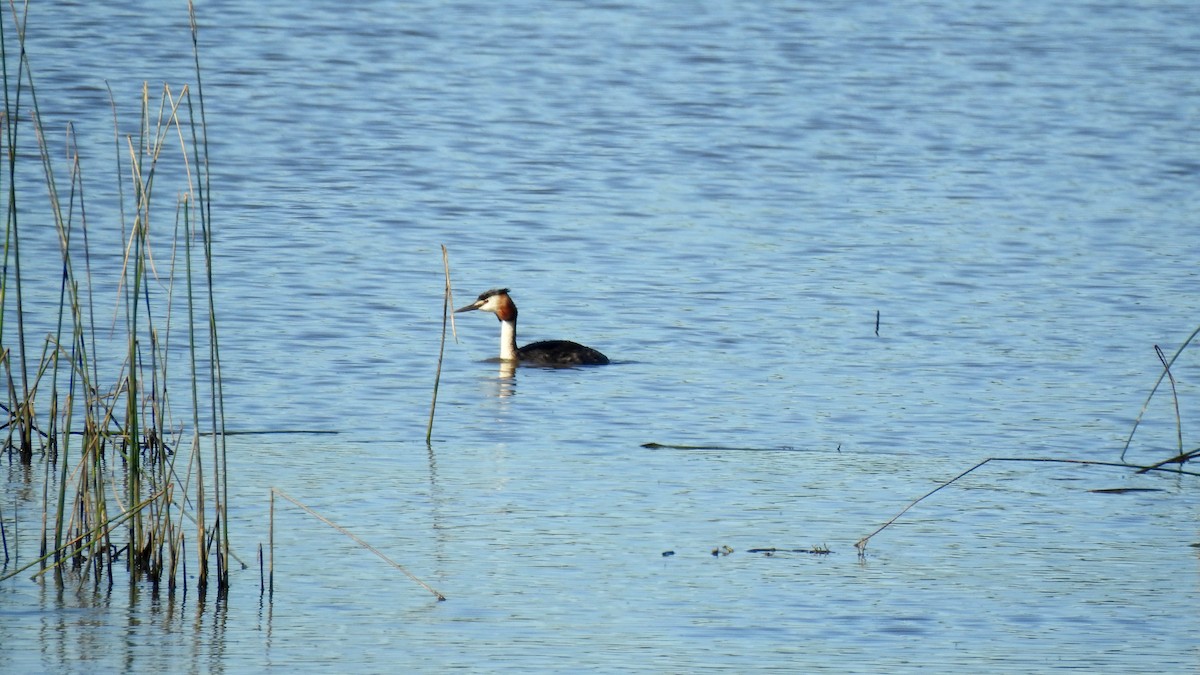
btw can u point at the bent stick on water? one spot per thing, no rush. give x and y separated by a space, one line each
861 544
1153 389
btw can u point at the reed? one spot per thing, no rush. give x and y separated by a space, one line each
1180 459
1166 373
447 303
124 482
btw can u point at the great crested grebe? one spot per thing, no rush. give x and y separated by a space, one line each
547 353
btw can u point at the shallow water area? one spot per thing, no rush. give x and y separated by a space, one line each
838 255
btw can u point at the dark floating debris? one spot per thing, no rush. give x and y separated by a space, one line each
726 550
671 446
1121 491
816 550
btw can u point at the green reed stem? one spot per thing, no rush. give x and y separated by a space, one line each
76 522
203 184
196 455
20 404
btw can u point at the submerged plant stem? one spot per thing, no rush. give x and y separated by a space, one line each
357 540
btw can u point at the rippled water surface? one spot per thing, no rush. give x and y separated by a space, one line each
722 198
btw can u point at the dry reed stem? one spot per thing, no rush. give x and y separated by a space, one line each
447 303
99 531
1179 459
271 546
1174 395
1153 389
88 490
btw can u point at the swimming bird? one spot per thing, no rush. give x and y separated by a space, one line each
546 353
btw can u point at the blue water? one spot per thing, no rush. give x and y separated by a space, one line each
723 200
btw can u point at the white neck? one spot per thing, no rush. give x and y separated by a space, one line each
508 340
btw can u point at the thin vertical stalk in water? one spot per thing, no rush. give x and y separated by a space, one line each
1174 396
76 524
4 534
21 407
203 190
271 548
68 297
191 327
446 298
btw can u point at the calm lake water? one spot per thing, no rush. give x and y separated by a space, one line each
722 197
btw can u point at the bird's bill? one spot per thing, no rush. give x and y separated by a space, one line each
474 305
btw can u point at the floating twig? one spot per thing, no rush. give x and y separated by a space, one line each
669 446
1123 490
815 550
